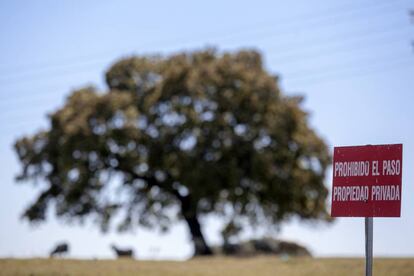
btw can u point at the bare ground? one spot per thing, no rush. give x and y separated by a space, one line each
209 266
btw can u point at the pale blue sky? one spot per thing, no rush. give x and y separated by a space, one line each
352 60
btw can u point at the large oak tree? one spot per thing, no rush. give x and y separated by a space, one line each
179 137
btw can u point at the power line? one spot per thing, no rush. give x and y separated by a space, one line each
309 82
367 63
370 62
309 76
7 102
346 77
87 63
308 17
41 98
50 76
82 64
306 77
333 22
290 54
51 88
344 10
333 39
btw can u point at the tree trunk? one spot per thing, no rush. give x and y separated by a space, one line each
200 246
190 215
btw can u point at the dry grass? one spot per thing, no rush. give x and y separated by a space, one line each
208 266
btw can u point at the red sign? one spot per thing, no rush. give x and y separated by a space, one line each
367 181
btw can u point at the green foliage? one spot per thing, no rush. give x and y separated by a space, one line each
210 128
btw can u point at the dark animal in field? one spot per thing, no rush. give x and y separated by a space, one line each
123 253
60 249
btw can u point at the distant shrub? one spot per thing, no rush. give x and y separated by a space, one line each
265 246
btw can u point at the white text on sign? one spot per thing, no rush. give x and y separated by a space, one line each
362 193
365 168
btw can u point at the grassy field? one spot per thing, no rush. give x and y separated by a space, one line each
208 266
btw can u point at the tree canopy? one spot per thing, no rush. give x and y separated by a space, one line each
179 137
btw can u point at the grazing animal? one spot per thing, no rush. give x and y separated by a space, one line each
126 253
60 249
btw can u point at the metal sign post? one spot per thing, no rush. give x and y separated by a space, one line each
369 227
367 182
